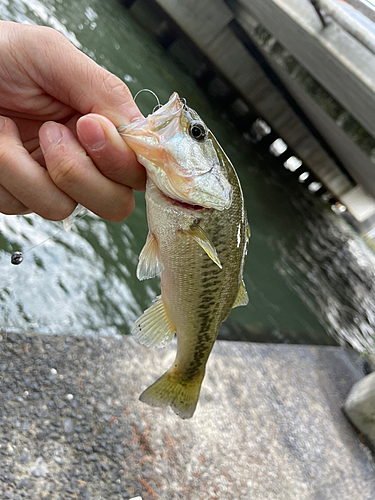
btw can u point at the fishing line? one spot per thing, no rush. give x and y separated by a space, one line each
17 257
151 92
158 106
123 127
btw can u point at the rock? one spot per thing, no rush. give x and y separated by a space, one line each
25 483
39 468
68 425
24 457
360 407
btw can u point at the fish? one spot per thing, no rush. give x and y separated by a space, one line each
197 242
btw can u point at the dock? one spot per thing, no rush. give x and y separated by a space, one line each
304 89
268 425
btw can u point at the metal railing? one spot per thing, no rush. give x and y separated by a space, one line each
350 23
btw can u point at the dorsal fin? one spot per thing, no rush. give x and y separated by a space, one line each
149 264
199 235
242 298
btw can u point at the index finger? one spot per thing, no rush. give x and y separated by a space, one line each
76 80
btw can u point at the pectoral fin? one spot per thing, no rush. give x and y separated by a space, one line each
242 298
204 241
154 328
149 264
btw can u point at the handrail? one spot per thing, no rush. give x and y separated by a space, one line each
348 22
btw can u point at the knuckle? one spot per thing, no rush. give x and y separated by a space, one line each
51 35
64 172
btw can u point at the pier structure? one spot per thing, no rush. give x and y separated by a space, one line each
268 425
305 87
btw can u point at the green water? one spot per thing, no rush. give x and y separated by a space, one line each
309 276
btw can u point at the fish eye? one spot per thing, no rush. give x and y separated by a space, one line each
197 131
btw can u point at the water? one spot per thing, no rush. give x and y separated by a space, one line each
310 278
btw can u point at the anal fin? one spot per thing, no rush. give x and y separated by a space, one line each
242 298
154 328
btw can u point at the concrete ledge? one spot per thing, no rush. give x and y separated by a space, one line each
269 424
360 407
203 21
348 71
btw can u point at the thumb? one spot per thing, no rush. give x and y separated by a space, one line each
78 81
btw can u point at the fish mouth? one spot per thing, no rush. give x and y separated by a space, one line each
151 185
183 204
179 203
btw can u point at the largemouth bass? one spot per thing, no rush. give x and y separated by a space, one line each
197 240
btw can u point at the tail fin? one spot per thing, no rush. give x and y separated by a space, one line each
171 390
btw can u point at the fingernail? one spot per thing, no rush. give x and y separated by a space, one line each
92 133
50 135
2 123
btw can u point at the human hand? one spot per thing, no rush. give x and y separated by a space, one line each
58 140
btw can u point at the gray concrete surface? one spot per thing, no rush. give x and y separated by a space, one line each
268 425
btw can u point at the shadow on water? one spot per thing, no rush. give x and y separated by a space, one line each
309 275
